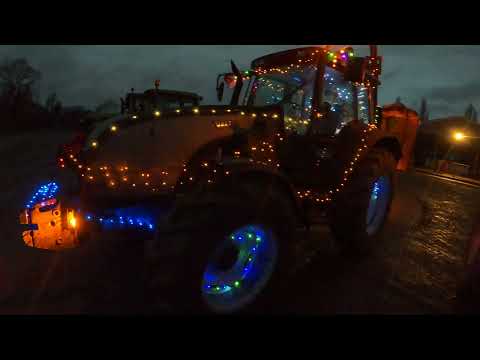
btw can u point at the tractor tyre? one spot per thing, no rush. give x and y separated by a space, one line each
222 253
358 214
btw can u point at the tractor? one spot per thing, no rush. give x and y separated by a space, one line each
153 101
218 192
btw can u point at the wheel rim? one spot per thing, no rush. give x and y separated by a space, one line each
232 284
378 206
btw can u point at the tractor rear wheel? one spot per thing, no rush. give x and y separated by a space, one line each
358 214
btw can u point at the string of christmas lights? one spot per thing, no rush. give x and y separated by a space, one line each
336 59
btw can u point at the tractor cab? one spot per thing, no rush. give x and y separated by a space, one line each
324 98
155 100
320 91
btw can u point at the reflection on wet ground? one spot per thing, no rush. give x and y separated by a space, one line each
416 271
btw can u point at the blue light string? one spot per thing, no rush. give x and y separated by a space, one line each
45 192
122 222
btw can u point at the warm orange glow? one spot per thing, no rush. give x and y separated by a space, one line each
73 222
458 136
113 128
157 113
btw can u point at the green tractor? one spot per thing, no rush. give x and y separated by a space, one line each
219 191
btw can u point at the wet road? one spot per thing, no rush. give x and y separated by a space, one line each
416 268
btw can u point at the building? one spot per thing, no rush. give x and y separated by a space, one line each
450 144
403 123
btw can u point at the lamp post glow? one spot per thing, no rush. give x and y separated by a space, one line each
458 136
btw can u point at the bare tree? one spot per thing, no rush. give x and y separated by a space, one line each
50 102
17 79
423 111
470 113
17 75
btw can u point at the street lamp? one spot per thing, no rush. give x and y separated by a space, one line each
458 136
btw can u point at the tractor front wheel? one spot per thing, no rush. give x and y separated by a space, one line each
222 256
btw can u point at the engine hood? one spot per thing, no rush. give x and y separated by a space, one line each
150 155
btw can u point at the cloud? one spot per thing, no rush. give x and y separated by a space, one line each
469 92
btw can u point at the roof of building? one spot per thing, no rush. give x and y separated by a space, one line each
398 106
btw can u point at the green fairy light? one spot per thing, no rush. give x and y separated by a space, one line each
258 239
237 284
249 235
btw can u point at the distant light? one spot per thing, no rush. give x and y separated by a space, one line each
157 113
459 136
94 144
134 116
113 128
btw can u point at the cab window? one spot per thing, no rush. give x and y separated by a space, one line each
363 105
338 103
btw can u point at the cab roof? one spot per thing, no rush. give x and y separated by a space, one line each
284 57
172 94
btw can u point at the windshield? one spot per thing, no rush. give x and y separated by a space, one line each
294 91
149 103
277 88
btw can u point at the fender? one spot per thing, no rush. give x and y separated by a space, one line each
220 154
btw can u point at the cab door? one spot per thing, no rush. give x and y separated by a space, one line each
310 153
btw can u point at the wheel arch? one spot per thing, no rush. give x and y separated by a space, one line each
270 175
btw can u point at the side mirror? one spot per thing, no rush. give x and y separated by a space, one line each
220 89
356 70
